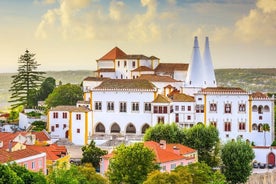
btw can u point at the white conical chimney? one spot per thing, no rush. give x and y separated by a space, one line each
208 69
195 72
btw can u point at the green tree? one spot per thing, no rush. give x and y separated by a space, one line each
28 176
67 94
205 140
25 81
92 154
47 87
7 175
131 164
237 157
157 177
89 173
169 132
266 128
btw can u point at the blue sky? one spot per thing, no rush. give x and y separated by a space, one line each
72 34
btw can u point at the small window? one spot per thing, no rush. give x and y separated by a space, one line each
33 165
147 107
242 108
188 117
125 63
213 107
98 106
241 125
160 119
40 164
123 107
64 115
213 123
189 108
52 128
78 116
55 115
64 126
110 106
135 107
227 108
176 117
176 108
227 126
118 64
78 130
182 108
199 99
57 125
133 64
173 166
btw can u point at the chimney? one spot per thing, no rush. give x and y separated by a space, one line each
163 144
10 146
176 150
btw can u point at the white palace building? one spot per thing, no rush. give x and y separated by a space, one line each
133 92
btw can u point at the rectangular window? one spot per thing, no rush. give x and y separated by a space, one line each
78 116
78 130
52 128
33 165
118 64
147 107
39 164
227 126
213 123
55 115
98 106
155 109
189 108
110 106
165 110
160 119
176 117
123 106
133 64
213 107
182 108
241 125
64 115
64 126
135 106
57 125
164 168
173 166
199 108
188 117
125 63
242 108
26 165
227 108
176 108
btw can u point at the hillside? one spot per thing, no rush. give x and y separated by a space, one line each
249 79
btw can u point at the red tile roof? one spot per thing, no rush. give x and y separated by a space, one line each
53 151
142 68
106 70
161 99
6 156
70 108
123 84
95 79
181 97
223 90
259 95
113 54
171 67
41 136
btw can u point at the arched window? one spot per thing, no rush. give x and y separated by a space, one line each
100 128
266 108
144 128
115 128
260 109
254 126
260 127
130 128
254 108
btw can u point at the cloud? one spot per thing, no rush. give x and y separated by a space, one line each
44 1
260 24
115 10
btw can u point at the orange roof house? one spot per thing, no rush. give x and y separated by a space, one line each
168 156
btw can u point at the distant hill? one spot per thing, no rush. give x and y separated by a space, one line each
249 79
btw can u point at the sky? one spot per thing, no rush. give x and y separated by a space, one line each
73 34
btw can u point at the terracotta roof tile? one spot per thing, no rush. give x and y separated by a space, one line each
53 151
6 156
95 79
223 90
181 97
70 108
161 99
41 136
259 95
157 78
113 54
171 67
123 84
106 70
142 68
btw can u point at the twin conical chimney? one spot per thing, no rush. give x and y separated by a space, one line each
201 72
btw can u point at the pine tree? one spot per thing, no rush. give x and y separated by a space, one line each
26 81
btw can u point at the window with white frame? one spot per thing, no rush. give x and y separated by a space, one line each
160 119
64 115
176 108
55 115
123 106
213 107
213 123
135 107
173 166
33 165
78 116
227 126
242 107
110 106
98 106
182 108
227 108
147 107
242 126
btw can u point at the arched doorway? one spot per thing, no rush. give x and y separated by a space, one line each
271 158
130 128
100 128
115 128
144 128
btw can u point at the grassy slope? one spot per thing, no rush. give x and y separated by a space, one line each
248 79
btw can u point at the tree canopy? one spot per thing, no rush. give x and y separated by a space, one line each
169 132
237 157
67 94
131 164
92 154
46 88
205 140
26 81
157 177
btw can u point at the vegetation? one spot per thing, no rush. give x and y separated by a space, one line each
26 81
169 132
131 164
67 94
157 177
92 154
38 126
237 157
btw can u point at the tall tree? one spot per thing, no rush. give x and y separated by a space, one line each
47 87
237 157
92 154
131 164
266 128
25 81
169 132
205 140
67 94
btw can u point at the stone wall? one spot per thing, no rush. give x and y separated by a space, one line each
268 177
